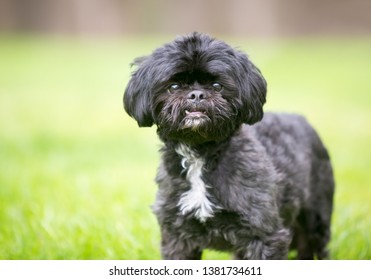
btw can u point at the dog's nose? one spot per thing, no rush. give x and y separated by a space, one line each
196 95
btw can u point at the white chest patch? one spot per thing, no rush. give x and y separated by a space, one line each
196 198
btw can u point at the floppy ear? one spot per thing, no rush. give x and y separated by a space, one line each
253 91
137 96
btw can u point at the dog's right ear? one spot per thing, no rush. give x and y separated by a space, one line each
137 96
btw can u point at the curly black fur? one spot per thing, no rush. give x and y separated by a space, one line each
229 179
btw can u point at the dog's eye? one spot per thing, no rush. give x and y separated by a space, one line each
174 87
217 87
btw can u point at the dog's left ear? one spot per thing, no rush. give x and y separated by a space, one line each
137 97
253 91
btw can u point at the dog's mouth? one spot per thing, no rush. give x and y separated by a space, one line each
195 114
194 119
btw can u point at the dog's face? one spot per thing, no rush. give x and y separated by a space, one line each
195 89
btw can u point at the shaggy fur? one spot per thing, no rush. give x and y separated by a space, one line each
229 179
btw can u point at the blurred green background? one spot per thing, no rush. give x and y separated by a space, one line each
76 173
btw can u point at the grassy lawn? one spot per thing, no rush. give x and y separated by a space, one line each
76 174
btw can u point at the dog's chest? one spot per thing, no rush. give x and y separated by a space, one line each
197 199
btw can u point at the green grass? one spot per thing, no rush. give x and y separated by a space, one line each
76 173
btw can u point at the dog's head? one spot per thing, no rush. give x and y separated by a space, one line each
195 89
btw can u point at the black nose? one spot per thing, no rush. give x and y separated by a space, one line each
196 95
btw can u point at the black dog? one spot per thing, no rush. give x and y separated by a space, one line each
225 182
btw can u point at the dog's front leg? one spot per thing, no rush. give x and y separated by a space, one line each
270 247
175 248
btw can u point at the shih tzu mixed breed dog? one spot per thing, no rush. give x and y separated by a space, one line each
229 179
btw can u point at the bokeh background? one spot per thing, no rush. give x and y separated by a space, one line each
76 173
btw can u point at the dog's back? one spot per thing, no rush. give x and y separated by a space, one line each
305 176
